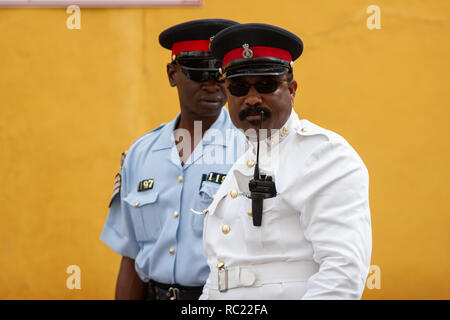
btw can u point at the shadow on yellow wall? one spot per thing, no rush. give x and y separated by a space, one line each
73 100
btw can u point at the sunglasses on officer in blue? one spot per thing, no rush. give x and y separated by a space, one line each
200 70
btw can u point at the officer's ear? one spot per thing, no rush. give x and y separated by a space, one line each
292 89
171 74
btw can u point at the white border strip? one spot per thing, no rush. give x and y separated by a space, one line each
96 3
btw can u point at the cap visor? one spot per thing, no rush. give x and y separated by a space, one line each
244 72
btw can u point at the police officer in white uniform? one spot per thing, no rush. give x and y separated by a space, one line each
294 221
153 221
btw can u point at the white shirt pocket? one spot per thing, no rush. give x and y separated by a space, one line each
266 236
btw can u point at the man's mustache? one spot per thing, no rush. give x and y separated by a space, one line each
254 111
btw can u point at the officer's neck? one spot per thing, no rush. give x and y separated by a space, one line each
187 121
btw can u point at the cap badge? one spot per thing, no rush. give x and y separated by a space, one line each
247 53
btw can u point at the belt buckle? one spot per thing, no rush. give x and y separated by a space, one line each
174 293
224 271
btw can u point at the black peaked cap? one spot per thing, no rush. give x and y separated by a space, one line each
202 29
255 34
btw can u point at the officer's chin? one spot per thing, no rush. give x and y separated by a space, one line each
254 121
250 129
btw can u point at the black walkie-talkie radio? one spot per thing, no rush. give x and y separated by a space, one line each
261 187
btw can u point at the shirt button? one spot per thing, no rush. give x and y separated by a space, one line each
213 196
249 212
175 214
180 179
136 204
285 130
220 265
225 228
250 163
303 130
171 250
233 193
205 211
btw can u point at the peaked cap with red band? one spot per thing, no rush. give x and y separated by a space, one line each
192 38
256 49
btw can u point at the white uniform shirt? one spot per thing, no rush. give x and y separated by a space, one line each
315 239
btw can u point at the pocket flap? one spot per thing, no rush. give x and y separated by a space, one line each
208 190
212 207
140 200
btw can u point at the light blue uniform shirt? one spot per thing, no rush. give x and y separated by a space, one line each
166 246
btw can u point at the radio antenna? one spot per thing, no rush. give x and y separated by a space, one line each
256 173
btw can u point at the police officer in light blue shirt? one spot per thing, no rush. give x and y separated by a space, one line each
170 176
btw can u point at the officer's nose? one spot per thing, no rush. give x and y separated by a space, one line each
210 85
253 97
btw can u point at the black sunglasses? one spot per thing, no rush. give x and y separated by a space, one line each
241 88
201 75
200 70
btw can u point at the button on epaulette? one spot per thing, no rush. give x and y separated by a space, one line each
305 131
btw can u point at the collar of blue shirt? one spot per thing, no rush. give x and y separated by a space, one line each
223 122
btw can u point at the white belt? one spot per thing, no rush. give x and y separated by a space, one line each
258 274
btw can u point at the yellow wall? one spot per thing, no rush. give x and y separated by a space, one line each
72 100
